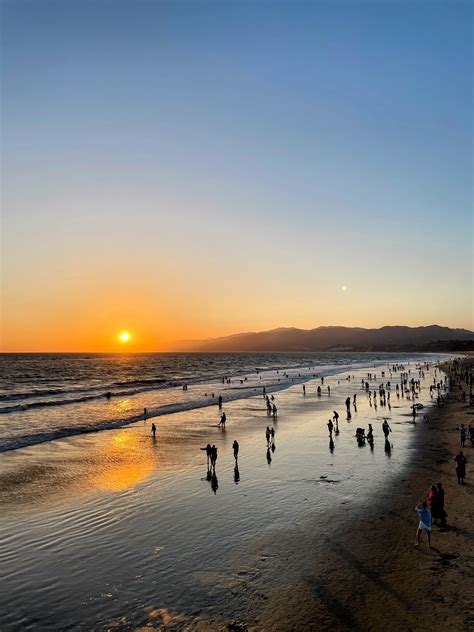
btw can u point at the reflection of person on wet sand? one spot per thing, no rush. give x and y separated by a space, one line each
331 445
214 484
236 473
269 456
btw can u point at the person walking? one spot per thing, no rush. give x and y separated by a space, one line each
235 447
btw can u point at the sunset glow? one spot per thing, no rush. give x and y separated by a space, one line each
243 203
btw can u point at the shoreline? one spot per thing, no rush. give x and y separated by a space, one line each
292 564
374 578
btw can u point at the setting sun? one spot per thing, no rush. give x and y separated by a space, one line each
124 336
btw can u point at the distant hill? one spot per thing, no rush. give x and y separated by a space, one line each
390 338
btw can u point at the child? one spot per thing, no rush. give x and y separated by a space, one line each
425 522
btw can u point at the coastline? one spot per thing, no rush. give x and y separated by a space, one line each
373 577
295 543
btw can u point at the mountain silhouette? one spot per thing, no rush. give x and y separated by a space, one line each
389 338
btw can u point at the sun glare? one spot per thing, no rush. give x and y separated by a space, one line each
124 336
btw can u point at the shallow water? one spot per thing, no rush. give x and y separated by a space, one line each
112 527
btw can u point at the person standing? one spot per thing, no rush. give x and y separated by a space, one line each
235 447
460 467
213 457
330 426
267 435
208 451
424 525
386 429
462 435
153 430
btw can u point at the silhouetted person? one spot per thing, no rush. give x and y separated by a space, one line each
348 404
461 462
304 389
442 513
335 416
330 426
153 430
329 390
221 424
220 401
370 434
267 434
208 451
213 457
386 429
108 394
235 447
144 412
274 410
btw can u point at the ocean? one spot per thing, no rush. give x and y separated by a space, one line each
47 396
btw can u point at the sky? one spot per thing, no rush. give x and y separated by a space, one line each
187 170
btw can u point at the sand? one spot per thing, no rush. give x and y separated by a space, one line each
373 577
290 548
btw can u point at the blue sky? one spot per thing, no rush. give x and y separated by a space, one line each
173 152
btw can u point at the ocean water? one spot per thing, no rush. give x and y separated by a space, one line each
115 530
48 396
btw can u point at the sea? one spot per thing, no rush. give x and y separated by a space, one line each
104 526
46 396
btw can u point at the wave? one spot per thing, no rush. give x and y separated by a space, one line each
23 441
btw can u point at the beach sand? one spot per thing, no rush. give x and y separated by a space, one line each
373 578
111 531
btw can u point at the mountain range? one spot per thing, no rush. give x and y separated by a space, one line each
389 338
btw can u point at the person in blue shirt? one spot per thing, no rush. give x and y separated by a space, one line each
425 522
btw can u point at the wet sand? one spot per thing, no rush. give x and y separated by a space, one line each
313 539
372 577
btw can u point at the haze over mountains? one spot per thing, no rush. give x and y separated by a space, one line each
389 338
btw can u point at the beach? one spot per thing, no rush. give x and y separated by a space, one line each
112 530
